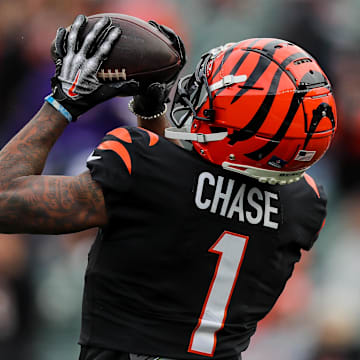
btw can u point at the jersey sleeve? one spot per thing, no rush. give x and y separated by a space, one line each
119 156
304 212
316 218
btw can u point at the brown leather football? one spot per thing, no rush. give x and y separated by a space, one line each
142 52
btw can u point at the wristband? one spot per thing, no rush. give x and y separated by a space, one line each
131 108
56 105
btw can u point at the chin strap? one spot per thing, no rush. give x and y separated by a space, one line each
184 134
266 176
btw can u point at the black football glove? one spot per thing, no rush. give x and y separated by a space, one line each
150 102
75 86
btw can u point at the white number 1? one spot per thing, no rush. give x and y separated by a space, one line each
231 249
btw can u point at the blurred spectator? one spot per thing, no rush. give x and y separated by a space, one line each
59 283
17 313
337 306
348 137
307 25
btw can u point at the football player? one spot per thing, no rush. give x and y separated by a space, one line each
194 247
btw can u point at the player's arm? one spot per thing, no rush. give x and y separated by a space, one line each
33 203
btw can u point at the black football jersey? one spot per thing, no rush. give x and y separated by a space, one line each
193 255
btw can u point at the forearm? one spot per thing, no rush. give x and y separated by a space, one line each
26 153
51 204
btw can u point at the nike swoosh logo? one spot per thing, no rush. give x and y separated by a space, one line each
71 90
93 157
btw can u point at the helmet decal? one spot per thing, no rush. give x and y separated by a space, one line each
237 65
323 110
275 140
305 155
262 65
295 104
254 125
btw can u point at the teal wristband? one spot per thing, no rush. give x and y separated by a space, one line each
56 105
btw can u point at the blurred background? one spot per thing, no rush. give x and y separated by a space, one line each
41 277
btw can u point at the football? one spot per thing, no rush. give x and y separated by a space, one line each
141 53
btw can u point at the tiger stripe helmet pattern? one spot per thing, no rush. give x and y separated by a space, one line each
262 107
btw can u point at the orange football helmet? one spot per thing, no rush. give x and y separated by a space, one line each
261 107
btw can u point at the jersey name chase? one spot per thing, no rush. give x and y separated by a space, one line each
247 203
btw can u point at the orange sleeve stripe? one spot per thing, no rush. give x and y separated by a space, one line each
122 134
153 137
312 183
119 149
321 227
